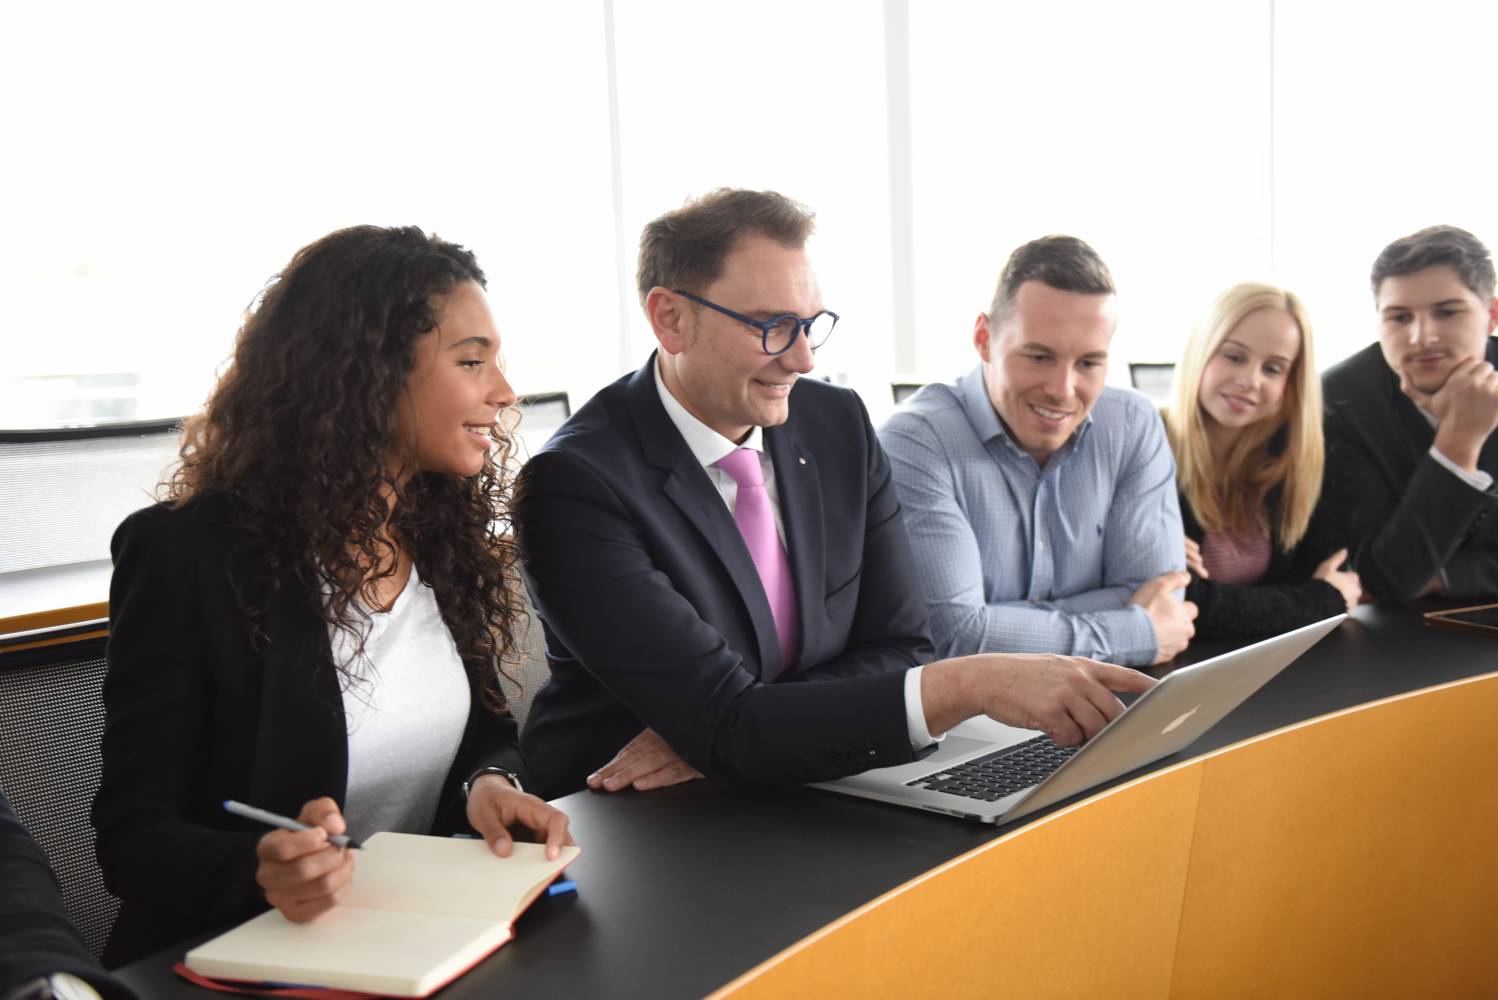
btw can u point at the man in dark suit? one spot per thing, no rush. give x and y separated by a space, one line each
715 549
1409 425
41 953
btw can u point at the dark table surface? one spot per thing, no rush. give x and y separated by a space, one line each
682 889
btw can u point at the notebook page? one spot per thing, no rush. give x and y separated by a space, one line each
461 878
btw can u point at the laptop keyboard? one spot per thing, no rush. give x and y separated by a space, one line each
1003 772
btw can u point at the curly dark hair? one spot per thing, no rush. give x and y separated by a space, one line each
301 428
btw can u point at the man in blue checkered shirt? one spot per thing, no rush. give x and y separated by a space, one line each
1041 504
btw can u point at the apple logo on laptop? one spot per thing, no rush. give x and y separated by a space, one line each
1176 724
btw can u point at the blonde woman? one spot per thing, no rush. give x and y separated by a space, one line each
1245 426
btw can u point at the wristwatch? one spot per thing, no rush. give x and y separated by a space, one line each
58 986
509 776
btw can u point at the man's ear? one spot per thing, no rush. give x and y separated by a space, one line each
982 337
1492 316
668 319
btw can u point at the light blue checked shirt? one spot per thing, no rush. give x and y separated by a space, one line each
1020 558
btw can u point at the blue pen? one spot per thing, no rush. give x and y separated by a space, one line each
284 822
561 888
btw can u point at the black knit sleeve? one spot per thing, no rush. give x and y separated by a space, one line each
1254 610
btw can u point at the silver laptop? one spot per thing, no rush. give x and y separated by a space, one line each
992 773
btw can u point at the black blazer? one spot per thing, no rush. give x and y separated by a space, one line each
199 709
1403 517
655 616
1285 598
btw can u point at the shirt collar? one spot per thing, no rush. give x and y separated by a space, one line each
985 419
706 445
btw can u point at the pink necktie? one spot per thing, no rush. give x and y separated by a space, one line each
756 521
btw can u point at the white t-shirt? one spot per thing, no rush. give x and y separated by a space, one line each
406 712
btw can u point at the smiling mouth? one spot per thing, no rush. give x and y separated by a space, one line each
1055 416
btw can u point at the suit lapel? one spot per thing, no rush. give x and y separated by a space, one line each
687 486
800 488
1416 430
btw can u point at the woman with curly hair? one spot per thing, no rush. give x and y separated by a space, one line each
313 620
1245 426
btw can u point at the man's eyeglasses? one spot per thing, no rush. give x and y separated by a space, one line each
778 333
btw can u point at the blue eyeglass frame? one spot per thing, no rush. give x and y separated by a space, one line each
765 326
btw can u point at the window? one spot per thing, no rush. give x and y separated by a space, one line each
176 155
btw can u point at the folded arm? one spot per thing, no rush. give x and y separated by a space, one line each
1402 537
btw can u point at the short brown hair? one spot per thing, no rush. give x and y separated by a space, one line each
685 248
1438 246
1065 263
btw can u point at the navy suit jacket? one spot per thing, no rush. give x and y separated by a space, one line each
655 616
36 936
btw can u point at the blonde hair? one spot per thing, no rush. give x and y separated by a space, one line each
1230 491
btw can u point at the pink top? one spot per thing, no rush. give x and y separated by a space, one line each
1235 556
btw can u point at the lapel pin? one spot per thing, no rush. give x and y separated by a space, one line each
801 460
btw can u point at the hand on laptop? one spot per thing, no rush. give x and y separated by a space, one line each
1070 698
646 762
302 874
1170 616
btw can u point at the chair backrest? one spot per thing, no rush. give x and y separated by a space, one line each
63 492
540 414
1154 379
51 722
532 669
901 391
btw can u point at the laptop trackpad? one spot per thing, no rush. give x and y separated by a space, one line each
981 727
950 749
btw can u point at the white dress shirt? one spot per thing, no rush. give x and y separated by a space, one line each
708 446
1478 480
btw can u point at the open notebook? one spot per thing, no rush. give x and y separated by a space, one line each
421 911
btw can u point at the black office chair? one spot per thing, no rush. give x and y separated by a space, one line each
1154 379
64 490
904 390
524 676
51 722
536 418
545 409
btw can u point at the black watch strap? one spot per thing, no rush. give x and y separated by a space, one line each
508 775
